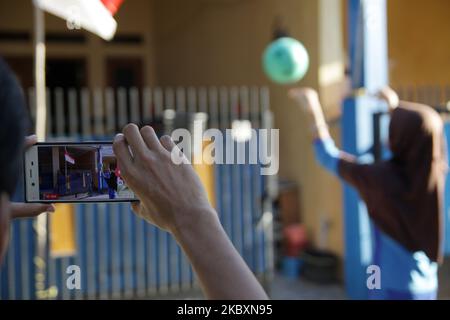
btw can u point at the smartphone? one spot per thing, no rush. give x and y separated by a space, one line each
74 172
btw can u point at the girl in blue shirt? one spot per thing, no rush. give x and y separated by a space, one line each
404 195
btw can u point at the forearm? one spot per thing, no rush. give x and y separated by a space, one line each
318 123
220 269
327 154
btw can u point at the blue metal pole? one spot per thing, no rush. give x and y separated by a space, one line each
369 70
447 197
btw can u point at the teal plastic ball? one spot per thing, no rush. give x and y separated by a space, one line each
285 61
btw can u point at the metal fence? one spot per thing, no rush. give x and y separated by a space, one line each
437 96
120 255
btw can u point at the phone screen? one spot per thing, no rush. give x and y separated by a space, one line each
84 172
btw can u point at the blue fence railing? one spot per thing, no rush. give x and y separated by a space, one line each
119 254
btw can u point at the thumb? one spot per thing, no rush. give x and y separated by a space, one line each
136 207
29 210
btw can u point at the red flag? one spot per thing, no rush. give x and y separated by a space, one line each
68 158
93 15
112 5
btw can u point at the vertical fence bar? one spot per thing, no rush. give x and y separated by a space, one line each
59 110
102 212
150 230
257 195
85 114
225 170
202 100
174 253
152 259
110 124
181 100
122 108
140 257
158 102
163 248
235 178
128 231
4 286
11 268
146 104
81 257
73 113
213 118
169 101
90 274
270 186
49 121
77 259
192 100
32 103
25 261
246 185
65 293
134 105
57 270
99 129
410 94
184 277
116 251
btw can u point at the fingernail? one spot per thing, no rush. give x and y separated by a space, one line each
51 208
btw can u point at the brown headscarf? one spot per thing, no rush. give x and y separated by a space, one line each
404 196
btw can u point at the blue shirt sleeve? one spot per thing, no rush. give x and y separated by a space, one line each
327 154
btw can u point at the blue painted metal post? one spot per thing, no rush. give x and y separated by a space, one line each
369 70
447 197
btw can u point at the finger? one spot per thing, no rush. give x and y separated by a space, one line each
30 141
150 138
136 207
122 152
167 143
134 139
29 210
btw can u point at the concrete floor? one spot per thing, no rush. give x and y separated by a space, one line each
444 280
283 288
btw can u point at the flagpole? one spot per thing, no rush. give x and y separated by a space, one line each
41 114
65 165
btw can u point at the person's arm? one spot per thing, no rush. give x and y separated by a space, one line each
172 198
327 154
309 100
390 97
340 163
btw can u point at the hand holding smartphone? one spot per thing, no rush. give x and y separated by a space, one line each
74 172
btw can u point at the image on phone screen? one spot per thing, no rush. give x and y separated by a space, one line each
83 172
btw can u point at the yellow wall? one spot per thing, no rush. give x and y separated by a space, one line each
419 46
